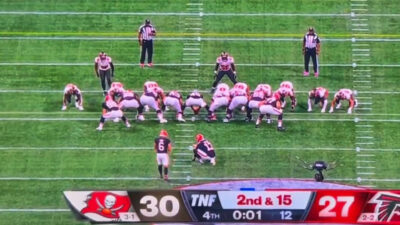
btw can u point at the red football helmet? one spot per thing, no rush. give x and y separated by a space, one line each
163 133
199 137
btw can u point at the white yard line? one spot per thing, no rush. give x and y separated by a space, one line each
197 14
78 38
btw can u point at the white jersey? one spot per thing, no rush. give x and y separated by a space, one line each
222 90
240 89
151 86
266 88
287 85
71 89
116 87
344 94
319 92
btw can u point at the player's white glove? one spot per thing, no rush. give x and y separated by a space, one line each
234 72
64 107
349 111
331 110
215 72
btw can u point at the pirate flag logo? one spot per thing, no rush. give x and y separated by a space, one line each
387 207
106 204
102 206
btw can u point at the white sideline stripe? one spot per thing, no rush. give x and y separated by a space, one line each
196 65
194 14
5 148
288 119
196 39
35 210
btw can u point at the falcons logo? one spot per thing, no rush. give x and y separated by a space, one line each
387 206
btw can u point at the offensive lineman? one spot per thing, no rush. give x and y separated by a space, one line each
111 111
240 94
221 97
116 90
271 106
262 92
344 94
203 150
151 96
286 89
174 100
130 100
320 95
163 147
69 91
195 101
225 65
104 68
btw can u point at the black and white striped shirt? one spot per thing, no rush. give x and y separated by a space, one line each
311 40
147 32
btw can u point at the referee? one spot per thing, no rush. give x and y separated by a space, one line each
146 35
311 48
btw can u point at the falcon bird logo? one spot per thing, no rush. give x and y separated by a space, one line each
387 206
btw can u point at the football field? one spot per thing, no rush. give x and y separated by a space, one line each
46 44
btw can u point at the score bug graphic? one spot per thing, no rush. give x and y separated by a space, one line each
313 206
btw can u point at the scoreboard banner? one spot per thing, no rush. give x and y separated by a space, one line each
280 206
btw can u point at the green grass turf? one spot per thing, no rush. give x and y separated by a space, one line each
242 150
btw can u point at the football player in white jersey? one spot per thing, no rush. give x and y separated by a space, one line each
344 94
69 91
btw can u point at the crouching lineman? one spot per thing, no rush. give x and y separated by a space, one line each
239 94
162 147
116 90
286 90
195 101
203 150
221 97
111 111
262 92
320 95
151 96
271 106
174 100
69 91
130 100
344 94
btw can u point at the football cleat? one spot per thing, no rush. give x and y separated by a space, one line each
149 64
309 110
323 111
80 108
269 121
331 110
64 107
163 121
316 74
180 119
99 128
166 177
349 111
338 106
281 129
140 117
141 65
226 120
306 73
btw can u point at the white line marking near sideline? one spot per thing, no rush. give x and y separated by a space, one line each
195 64
5 148
195 14
35 210
196 39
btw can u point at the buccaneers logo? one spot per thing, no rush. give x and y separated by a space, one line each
106 204
387 206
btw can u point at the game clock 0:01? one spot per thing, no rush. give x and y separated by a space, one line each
246 215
